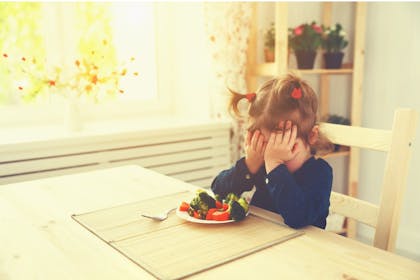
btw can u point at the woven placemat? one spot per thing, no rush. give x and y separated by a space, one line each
175 248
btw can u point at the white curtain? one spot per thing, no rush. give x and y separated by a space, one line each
227 27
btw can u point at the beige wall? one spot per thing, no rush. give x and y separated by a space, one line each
392 73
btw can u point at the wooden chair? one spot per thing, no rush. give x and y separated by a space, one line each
397 142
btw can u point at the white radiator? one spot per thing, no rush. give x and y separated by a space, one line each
194 153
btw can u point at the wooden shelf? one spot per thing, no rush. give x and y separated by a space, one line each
268 69
325 71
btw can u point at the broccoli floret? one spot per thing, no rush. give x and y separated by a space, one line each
231 197
202 202
195 203
203 207
207 199
236 211
244 204
218 197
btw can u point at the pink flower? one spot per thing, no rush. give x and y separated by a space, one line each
298 30
317 28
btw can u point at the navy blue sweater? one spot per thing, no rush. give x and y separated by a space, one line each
302 198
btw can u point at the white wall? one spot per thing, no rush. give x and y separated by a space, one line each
392 73
190 60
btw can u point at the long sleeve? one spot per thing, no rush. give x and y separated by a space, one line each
305 201
236 180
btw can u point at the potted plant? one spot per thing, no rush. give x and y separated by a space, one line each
305 40
333 42
269 41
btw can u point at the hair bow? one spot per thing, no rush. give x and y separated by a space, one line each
251 96
296 93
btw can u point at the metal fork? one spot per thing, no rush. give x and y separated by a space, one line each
159 217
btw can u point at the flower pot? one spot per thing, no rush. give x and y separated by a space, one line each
305 59
333 60
269 55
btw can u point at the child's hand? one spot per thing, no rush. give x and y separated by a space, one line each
254 148
280 146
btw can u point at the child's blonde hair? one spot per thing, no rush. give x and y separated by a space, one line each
289 98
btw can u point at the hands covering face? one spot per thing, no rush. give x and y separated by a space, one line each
254 148
280 145
277 150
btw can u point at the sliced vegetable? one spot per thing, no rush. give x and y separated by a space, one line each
206 207
209 215
191 211
221 216
184 206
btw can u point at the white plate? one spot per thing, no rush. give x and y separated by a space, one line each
184 215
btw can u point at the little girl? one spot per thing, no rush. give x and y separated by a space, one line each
282 138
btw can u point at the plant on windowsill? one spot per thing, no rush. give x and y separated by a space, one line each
92 78
333 42
269 43
305 40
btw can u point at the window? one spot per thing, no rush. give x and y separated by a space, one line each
56 39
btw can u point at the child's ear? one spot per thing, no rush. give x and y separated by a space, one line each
313 136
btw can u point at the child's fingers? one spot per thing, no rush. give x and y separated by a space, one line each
293 137
287 132
272 139
260 143
255 139
280 132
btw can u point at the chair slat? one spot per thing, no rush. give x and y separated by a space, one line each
395 178
351 207
398 145
361 137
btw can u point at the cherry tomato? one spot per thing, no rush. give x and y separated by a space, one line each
184 206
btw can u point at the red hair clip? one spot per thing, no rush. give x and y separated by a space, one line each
251 96
296 93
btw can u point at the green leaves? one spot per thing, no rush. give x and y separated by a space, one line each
305 37
333 39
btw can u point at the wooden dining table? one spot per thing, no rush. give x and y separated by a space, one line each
39 239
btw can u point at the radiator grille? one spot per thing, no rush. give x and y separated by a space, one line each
195 156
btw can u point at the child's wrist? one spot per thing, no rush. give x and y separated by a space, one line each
252 167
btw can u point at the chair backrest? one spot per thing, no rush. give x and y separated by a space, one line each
397 143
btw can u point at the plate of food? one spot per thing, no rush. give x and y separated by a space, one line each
207 209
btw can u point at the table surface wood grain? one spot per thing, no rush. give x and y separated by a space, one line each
40 240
